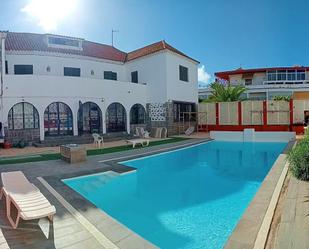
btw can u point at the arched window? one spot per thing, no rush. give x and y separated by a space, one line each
137 114
23 116
89 118
116 118
58 119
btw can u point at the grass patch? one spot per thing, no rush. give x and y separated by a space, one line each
129 147
93 152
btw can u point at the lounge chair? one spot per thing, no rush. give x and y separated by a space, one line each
29 201
190 130
140 132
164 133
156 132
141 141
97 139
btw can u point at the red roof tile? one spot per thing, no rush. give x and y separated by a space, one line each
38 42
153 48
225 74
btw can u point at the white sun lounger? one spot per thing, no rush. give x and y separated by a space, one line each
190 130
29 201
142 142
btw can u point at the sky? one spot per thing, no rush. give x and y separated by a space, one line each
221 34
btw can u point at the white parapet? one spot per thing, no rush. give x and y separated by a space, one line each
250 135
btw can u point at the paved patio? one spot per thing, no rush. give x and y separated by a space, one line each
290 227
31 150
66 231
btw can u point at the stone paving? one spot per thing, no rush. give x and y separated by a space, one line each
293 229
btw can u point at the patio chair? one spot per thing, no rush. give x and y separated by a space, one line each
140 132
164 133
97 139
29 201
190 130
141 141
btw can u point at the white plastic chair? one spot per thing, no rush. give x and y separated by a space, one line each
97 140
30 203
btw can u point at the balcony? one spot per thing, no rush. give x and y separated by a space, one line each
286 82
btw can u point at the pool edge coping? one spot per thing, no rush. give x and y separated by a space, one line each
262 203
60 188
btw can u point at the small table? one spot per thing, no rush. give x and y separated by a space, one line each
73 153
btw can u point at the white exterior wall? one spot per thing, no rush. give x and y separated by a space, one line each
43 90
152 71
57 63
177 89
159 72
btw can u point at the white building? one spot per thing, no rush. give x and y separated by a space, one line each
266 83
54 85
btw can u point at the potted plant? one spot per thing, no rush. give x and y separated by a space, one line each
298 128
7 145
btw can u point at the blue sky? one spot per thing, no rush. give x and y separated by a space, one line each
221 34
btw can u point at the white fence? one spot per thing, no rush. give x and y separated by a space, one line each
252 112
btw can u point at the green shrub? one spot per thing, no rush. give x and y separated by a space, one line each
298 158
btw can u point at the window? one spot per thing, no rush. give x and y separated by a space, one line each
71 71
58 119
281 75
23 116
291 75
301 74
134 77
6 67
183 73
248 82
181 111
63 41
271 75
109 75
23 69
137 114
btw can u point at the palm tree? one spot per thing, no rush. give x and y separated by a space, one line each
222 93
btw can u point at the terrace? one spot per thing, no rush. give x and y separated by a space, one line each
80 224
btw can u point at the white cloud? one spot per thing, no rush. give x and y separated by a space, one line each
49 13
203 77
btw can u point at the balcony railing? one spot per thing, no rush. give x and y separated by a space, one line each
286 82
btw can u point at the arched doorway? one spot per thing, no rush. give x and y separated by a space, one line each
116 118
58 120
23 116
23 123
137 114
89 118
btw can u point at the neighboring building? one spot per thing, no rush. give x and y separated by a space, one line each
55 85
266 83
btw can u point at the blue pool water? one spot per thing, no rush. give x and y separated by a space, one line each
190 198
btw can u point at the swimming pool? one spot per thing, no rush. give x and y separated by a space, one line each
188 198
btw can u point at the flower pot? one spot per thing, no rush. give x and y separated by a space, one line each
7 145
299 129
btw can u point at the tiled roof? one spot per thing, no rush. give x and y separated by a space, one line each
153 48
38 42
225 74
